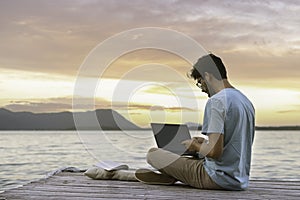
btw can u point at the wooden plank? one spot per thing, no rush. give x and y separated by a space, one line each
79 178
74 189
67 185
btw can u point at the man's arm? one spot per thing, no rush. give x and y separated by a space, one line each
212 149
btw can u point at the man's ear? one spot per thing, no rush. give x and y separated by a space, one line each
207 76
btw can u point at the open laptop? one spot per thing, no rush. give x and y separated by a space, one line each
170 136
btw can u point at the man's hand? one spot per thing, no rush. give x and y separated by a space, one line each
194 144
199 139
213 149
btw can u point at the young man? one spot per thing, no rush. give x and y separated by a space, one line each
229 124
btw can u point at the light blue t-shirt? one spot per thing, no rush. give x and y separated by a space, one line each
231 113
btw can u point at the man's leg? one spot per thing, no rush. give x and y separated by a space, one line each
186 170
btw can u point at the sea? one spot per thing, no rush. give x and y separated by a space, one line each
26 156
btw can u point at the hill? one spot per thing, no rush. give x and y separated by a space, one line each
108 120
277 128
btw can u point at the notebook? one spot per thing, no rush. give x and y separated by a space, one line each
170 136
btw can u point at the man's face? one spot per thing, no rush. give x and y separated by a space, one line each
202 84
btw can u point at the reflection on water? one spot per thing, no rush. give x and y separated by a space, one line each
30 155
276 155
128 146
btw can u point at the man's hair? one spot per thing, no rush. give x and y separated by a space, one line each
210 64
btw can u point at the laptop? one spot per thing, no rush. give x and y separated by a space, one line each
170 136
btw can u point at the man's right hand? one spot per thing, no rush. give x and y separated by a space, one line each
199 139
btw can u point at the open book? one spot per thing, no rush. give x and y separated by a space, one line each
111 165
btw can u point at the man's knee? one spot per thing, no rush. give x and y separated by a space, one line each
152 149
150 154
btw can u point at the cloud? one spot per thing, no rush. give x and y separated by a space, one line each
58 104
288 111
159 108
56 37
62 104
155 63
38 107
258 41
293 109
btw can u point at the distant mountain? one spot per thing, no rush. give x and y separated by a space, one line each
108 120
277 128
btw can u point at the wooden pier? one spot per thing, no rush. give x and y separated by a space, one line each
76 186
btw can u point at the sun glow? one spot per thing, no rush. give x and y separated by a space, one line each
142 101
18 85
274 106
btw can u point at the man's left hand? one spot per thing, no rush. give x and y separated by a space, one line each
192 145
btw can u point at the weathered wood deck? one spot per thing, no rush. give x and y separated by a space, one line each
76 186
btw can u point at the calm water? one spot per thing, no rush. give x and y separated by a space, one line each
31 155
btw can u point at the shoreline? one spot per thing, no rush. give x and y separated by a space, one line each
258 128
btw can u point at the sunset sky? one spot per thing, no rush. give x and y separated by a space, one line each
44 43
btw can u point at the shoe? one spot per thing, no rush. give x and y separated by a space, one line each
99 173
148 176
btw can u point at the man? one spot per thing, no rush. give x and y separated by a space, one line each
229 124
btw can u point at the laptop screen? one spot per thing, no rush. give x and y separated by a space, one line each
170 136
